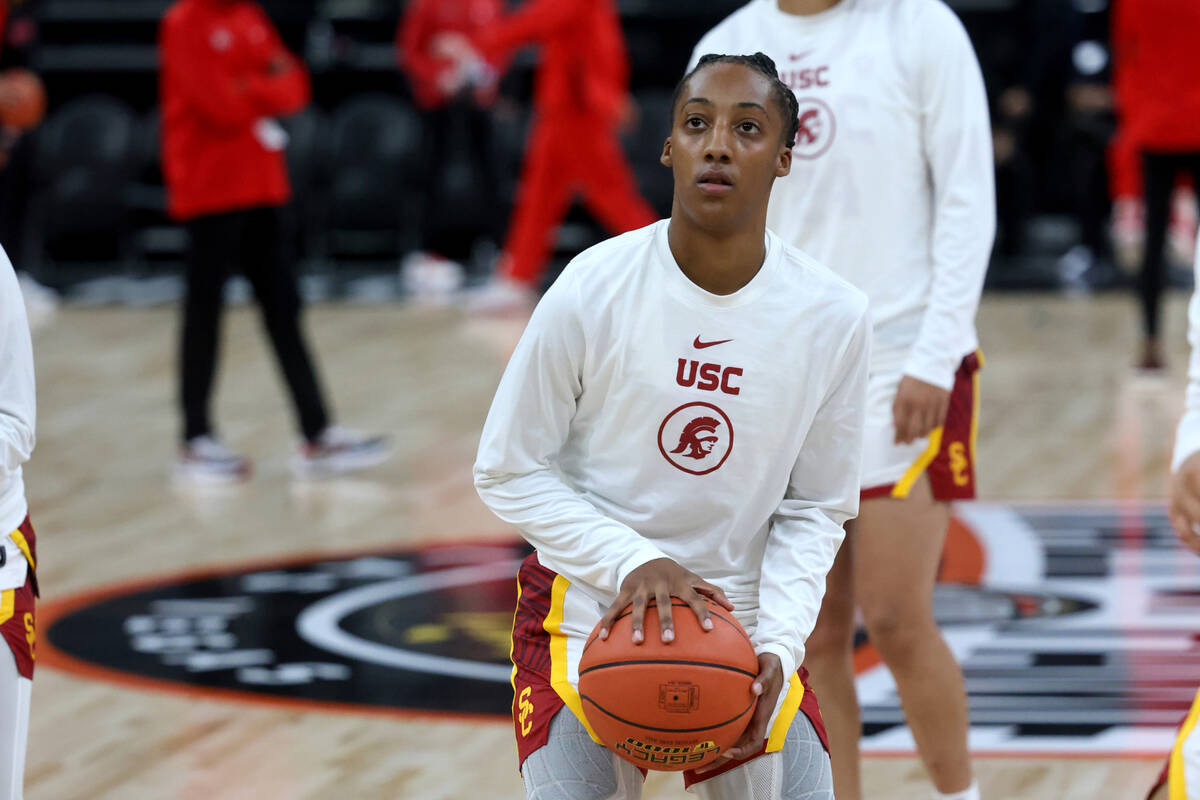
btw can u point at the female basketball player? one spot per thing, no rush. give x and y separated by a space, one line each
18 548
1181 778
892 188
703 322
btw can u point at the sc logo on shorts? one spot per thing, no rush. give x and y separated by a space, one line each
526 711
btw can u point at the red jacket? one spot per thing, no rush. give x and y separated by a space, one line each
584 68
224 70
424 19
1156 69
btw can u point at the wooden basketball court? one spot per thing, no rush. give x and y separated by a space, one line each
1063 419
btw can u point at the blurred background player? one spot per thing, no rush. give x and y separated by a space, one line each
565 456
581 100
1181 777
225 77
455 106
1156 60
18 548
892 187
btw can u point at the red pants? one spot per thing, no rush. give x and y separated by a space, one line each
569 155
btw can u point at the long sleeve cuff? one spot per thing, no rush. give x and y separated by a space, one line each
786 658
644 553
938 372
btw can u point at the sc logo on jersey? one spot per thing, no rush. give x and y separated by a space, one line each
817 128
696 438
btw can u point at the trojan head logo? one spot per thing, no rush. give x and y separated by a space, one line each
696 438
817 127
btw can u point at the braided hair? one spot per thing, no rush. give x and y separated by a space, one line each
761 63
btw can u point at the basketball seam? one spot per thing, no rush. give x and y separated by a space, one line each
737 628
676 661
732 719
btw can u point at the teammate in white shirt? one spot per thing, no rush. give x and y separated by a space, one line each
891 187
18 547
1181 778
683 417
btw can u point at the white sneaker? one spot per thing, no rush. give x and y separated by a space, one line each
338 451
499 297
204 460
430 279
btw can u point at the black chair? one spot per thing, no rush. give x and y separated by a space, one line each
307 159
85 162
375 165
157 240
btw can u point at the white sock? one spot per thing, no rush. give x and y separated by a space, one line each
969 793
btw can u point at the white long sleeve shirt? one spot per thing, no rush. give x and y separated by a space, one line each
17 402
1187 439
641 417
892 179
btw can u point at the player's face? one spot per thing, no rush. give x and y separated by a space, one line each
726 147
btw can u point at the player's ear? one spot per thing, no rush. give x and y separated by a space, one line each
665 158
784 165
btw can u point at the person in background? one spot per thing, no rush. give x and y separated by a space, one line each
18 547
457 123
1158 98
581 100
1128 223
225 77
1180 778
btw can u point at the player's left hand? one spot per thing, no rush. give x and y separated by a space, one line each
767 686
919 407
1184 508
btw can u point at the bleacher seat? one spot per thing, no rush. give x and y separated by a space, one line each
308 170
375 163
84 165
644 144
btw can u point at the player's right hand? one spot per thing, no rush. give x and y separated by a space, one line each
1184 508
660 580
919 407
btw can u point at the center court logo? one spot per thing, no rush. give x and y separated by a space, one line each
1076 627
696 438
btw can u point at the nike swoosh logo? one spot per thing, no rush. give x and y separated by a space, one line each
800 56
699 345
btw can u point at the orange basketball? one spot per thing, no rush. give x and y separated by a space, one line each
670 706
22 98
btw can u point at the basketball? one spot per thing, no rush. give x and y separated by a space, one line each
22 98
675 705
